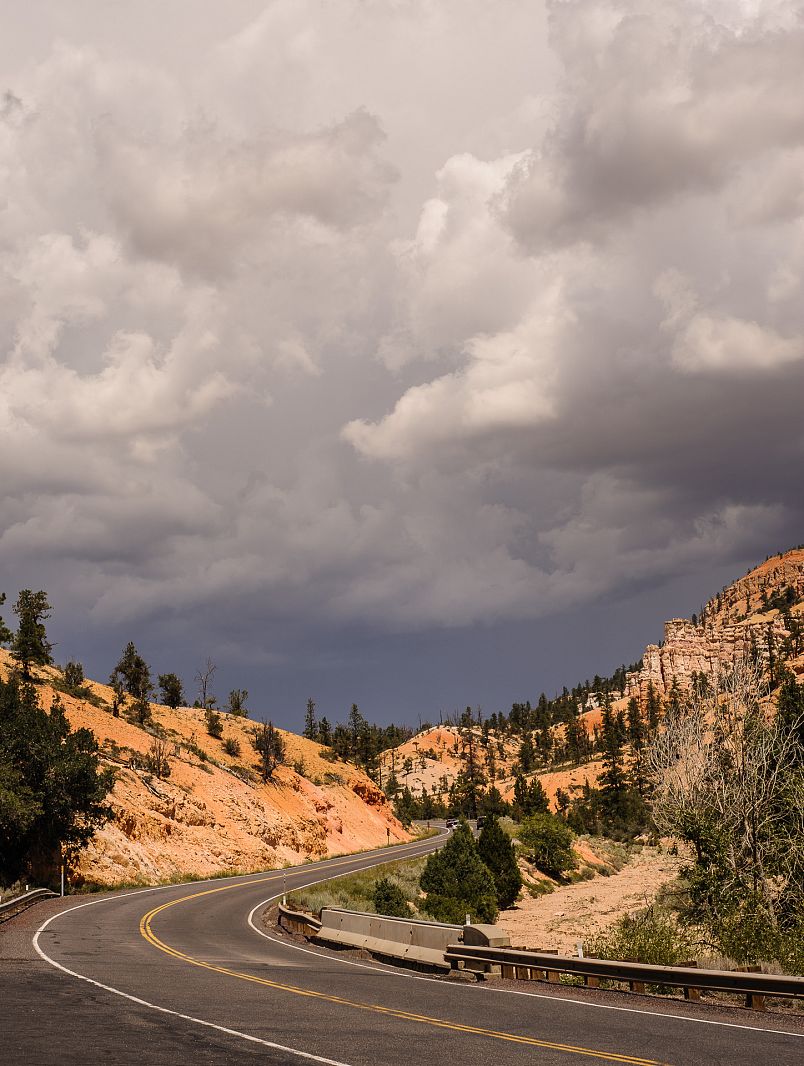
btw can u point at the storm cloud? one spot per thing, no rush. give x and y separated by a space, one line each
396 318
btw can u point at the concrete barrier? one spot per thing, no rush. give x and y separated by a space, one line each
413 941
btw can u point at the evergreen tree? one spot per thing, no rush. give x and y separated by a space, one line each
471 780
653 708
497 851
527 754
171 690
30 646
270 747
529 798
790 708
389 899
577 741
636 735
52 787
236 706
458 882
494 804
612 779
311 727
324 732
74 677
5 633
133 671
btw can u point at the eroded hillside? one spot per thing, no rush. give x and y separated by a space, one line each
213 813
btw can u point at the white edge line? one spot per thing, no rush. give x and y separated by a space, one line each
395 972
166 1010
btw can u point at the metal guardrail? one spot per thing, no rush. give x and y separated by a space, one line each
539 965
15 906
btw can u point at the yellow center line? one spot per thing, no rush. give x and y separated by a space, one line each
147 932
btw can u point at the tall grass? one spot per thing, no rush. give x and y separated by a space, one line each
355 891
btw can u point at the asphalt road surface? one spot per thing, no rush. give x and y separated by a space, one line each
189 974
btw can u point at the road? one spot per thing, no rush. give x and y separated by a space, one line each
189 974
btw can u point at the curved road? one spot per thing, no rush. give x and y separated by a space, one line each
188 974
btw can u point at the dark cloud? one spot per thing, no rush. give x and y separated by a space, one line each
336 327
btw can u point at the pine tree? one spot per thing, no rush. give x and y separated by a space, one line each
5 633
613 776
133 671
236 706
636 735
171 690
30 646
790 708
653 708
269 745
496 850
310 724
458 882
324 732
52 785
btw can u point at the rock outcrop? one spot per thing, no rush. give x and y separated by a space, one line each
761 614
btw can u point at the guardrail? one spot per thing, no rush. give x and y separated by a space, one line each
408 940
543 966
12 907
298 921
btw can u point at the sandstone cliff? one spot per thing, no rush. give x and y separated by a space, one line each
762 613
213 814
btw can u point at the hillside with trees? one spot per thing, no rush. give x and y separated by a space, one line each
128 789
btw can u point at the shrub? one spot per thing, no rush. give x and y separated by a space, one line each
73 676
389 899
232 747
546 841
651 936
214 724
156 761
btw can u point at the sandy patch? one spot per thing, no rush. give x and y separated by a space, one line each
582 910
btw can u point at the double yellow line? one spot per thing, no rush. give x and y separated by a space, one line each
146 930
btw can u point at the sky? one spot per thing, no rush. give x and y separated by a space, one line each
413 353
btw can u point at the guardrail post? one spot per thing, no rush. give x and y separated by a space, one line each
638 987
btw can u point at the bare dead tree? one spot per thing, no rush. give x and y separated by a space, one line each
203 678
729 782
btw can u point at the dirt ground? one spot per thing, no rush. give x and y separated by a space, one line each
582 910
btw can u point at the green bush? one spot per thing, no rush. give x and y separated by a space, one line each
651 936
546 841
214 724
389 899
232 747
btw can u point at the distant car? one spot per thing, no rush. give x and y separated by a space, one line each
451 823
